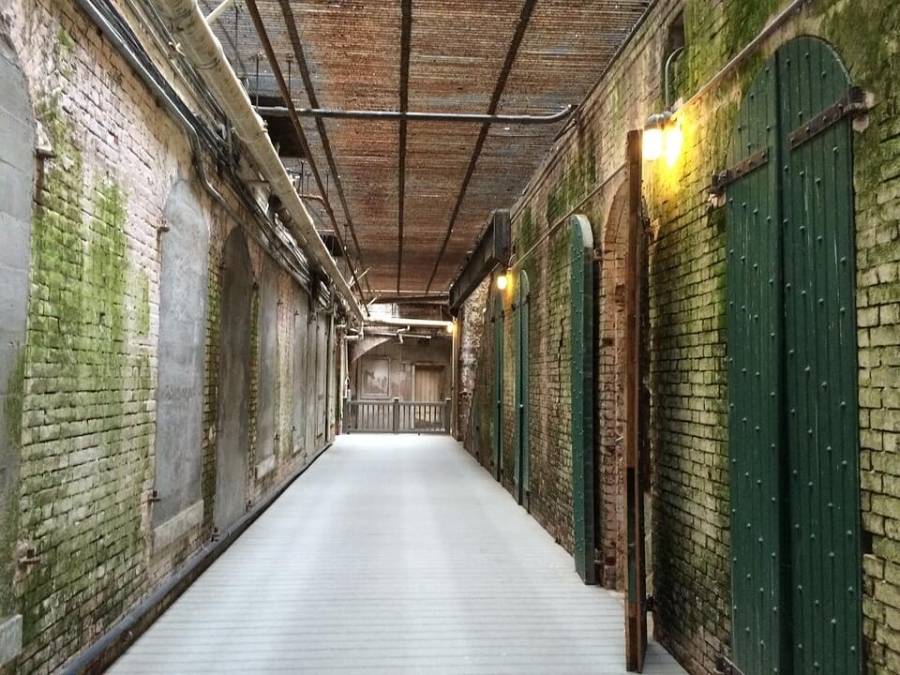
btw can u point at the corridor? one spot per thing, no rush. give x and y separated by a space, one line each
392 554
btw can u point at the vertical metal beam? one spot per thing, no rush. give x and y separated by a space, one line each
297 45
521 26
636 604
405 37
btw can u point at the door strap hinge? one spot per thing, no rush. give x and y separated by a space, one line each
852 103
725 178
725 667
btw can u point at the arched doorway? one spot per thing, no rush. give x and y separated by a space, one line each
610 434
233 417
792 370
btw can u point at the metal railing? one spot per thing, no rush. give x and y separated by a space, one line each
397 417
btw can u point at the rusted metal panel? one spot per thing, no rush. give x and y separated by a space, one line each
492 251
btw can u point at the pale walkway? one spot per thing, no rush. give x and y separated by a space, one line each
391 554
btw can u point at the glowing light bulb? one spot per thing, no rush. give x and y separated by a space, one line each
451 327
502 282
672 140
652 143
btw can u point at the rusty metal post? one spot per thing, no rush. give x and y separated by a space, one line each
448 414
635 605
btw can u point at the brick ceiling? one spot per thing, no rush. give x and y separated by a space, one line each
353 49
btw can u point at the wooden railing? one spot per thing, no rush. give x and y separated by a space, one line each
397 417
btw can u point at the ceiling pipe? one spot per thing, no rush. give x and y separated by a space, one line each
213 16
203 49
417 323
414 116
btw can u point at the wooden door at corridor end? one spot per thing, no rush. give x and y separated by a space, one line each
792 370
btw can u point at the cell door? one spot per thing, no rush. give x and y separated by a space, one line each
581 315
497 448
522 459
792 369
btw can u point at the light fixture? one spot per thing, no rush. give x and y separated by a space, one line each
672 140
502 281
653 137
662 137
451 327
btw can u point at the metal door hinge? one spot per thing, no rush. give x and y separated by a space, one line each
725 178
153 496
726 667
851 104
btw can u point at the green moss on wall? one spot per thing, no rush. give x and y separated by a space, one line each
88 400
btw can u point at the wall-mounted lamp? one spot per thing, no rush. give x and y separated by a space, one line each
502 281
451 327
662 137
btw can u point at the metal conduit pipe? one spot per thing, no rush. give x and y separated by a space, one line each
214 15
415 116
203 49
402 323
99 13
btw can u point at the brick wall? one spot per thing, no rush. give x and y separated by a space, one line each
90 371
689 515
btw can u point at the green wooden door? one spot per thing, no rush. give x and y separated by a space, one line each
521 402
497 426
792 372
581 250
820 363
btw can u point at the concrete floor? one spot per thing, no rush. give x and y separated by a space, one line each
392 554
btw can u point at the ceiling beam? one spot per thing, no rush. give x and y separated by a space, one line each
500 85
297 45
405 37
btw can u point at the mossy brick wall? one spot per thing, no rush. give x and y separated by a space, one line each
471 335
90 371
689 548
865 36
476 373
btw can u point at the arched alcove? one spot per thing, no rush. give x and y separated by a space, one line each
181 355
16 200
609 437
233 418
268 363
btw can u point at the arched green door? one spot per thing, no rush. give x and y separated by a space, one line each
522 459
792 370
497 426
581 315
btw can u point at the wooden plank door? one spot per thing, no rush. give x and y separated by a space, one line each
792 360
